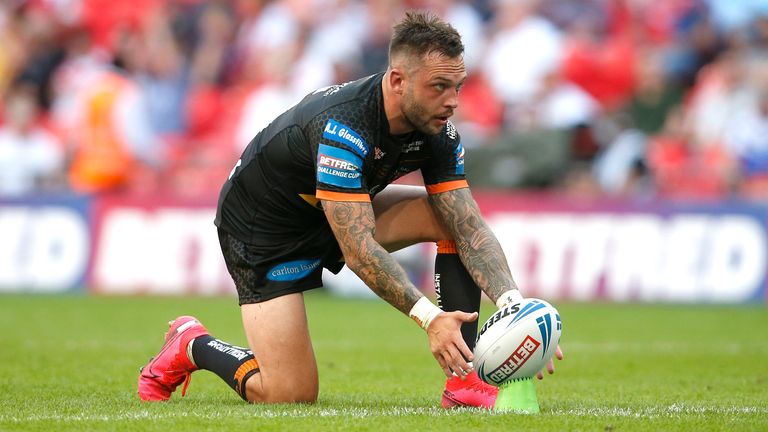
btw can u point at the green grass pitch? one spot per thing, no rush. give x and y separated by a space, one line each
71 363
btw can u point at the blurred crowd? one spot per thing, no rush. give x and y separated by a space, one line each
657 98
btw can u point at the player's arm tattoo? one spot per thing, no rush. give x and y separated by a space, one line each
354 225
478 247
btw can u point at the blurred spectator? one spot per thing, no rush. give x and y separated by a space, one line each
560 104
523 49
600 61
42 52
466 18
375 43
644 97
481 115
683 170
694 41
654 95
339 28
12 53
746 135
102 157
82 65
102 116
31 158
162 73
272 93
620 167
715 98
277 24
746 132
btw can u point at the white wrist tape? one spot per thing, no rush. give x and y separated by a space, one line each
423 312
509 297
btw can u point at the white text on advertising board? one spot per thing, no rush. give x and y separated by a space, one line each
647 257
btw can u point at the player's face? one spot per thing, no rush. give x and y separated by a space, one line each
432 93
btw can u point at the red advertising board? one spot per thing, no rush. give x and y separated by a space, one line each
164 246
556 248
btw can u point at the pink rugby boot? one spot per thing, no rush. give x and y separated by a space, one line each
471 392
171 366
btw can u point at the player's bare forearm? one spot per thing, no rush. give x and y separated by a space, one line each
353 224
478 247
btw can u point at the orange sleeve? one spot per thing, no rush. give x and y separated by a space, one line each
446 186
341 196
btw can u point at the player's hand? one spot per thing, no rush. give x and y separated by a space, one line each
551 364
447 345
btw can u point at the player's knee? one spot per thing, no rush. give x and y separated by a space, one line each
287 395
281 391
304 395
293 392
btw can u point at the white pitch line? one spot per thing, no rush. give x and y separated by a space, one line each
671 411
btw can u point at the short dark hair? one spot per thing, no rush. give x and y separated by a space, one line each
422 33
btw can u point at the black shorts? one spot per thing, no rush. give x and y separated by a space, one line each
274 269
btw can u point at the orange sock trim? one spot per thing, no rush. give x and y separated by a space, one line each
446 247
242 374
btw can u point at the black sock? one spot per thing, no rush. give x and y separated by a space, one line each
231 363
455 288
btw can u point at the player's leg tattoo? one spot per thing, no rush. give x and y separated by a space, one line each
478 247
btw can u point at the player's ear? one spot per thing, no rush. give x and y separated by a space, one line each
397 80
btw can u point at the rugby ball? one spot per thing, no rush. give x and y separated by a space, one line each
517 341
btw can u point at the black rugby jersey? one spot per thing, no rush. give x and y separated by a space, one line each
333 145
